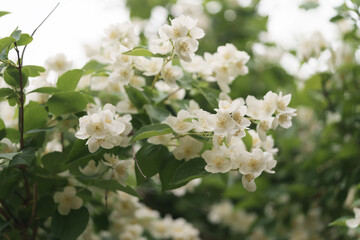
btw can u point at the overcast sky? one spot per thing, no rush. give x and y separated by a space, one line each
79 22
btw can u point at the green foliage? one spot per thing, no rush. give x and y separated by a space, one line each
69 227
3 13
151 131
69 80
142 51
24 39
66 102
188 171
137 97
150 158
12 77
5 43
32 70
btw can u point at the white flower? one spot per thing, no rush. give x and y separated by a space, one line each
188 148
58 63
202 122
121 169
217 160
284 119
198 66
171 73
122 75
189 187
92 169
222 123
126 106
185 48
253 163
67 200
123 34
150 67
354 222
180 124
104 128
162 45
183 26
137 82
173 91
248 182
221 211
161 228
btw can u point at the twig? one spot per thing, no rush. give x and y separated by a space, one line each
136 161
5 215
22 54
21 99
34 202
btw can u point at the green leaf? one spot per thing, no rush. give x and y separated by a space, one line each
9 178
187 82
3 13
12 77
248 141
48 211
67 102
25 39
194 168
47 90
156 114
211 96
54 162
167 171
4 224
71 226
136 96
2 129
37 130
151 130
35 117
78 150
69 80
12 134
150 158
32 70
340 222
309 5
4 92
93 66
6 42
8 156
16 34
142 51
26 156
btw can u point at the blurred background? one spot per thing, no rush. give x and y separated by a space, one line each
307 48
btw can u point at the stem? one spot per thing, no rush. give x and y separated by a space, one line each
34 205
167 60
21 99
23 52
136 161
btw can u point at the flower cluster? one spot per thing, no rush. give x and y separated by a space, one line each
236 219
67 200
130 219
223 66
226 128
104 128
181 36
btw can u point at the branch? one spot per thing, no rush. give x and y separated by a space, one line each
136 161
34 201
22 54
